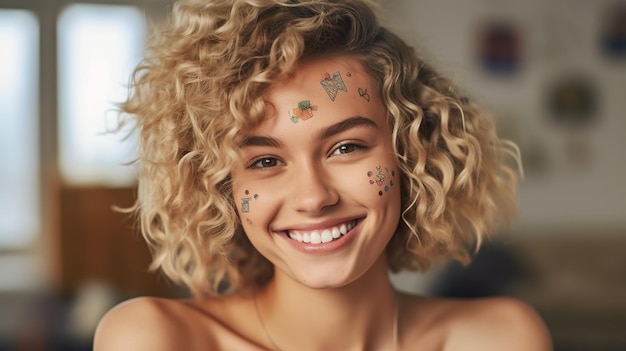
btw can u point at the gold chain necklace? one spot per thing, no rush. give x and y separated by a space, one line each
276 348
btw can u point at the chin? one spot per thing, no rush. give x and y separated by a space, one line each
325 285
331 278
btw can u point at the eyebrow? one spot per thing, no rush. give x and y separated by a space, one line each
352 122
256 140
337 128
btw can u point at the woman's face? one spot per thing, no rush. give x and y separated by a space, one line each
317 188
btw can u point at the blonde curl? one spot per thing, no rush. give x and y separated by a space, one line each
201 84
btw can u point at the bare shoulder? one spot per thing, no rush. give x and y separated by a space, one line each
431 323
155 324
495 324
143 324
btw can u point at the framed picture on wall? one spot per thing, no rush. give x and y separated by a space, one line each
499 47
613 35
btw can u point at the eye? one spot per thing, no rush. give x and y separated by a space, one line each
347 148
265 162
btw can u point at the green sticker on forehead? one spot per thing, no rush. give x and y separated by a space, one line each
303 112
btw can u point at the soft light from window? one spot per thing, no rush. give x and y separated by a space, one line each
99 45
19 128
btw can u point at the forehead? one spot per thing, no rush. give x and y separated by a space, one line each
335 87
313 72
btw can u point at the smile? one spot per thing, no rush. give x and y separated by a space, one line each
321 236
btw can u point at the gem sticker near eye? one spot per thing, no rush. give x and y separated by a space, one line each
363 93
379 179
333 84
245 201
303 112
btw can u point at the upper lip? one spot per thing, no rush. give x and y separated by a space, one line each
317 226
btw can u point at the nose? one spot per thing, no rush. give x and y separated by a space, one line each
314 190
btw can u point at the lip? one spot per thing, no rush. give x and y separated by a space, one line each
323 248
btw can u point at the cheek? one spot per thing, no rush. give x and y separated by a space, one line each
246 198
382 179
256 207
248 201
375 185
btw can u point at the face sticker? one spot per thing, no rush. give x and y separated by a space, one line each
382 179
333 84
363 93
245 201
303 112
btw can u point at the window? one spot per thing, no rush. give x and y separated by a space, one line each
19 131
98 46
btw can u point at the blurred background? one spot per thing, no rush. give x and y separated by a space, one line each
552 72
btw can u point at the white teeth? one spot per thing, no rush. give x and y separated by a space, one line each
325 236
315 237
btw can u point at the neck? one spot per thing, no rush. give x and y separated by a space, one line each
359 315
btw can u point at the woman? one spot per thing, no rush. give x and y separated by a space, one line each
293 152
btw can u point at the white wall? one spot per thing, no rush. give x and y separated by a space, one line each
560 37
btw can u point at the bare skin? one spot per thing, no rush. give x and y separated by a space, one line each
323 159
230 323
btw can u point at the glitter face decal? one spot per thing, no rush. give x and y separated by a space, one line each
382 178
245 201
363 93
333 84
303 112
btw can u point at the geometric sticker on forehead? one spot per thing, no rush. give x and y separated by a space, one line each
332 84
304 111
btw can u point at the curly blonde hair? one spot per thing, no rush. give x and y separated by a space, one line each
201 84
